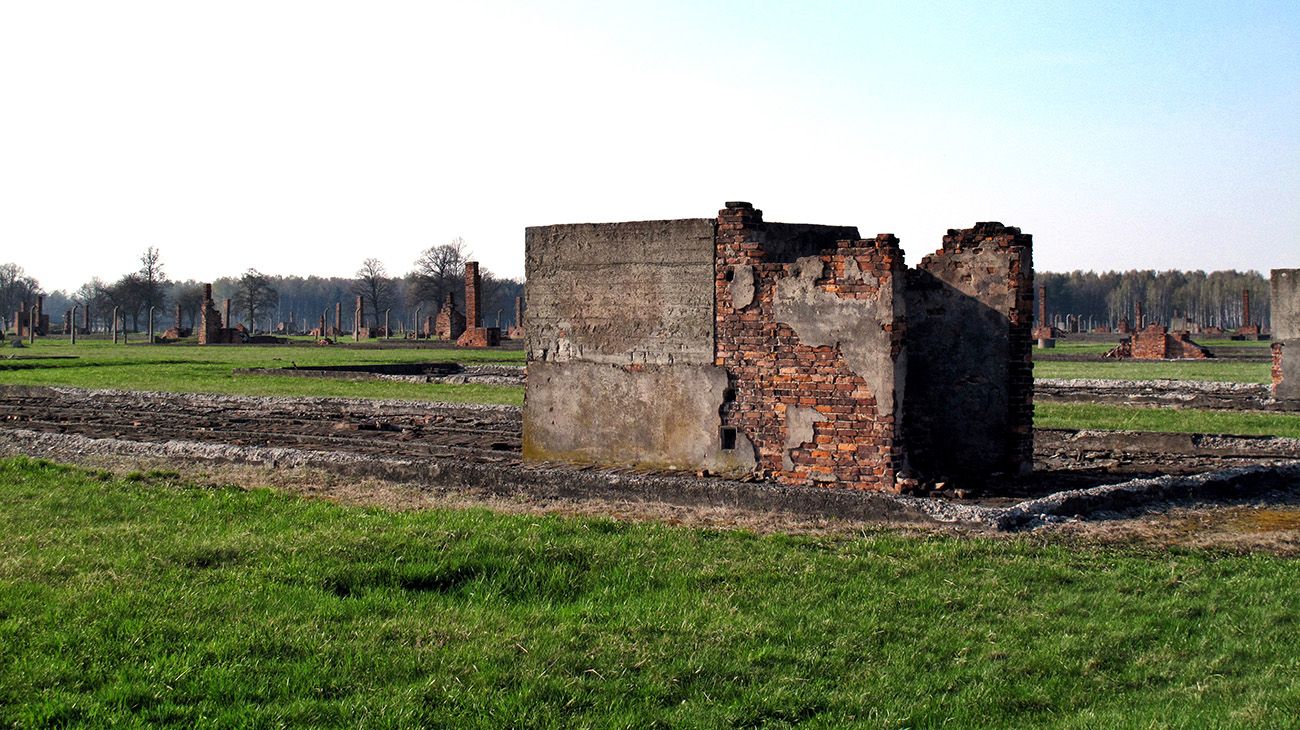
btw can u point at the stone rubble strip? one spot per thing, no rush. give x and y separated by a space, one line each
1199 386
222 400
1064 506
1186 393
539 481
470 374
558 481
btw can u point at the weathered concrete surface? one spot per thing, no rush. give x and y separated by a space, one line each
649 416
1285 302
1287 389
1286 331
621 293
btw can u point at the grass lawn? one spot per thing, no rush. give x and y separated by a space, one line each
143 600
1079 348
1108 417
192 369
1222 371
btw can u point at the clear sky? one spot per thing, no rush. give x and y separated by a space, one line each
303 137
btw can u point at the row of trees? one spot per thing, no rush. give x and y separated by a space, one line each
1208 299
261 301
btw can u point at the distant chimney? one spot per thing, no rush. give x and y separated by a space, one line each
473 306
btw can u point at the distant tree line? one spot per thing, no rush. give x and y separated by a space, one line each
1210 300
262 301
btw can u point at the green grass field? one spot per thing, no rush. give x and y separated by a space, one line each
1222 371
1108 417
1076 347
192 369
147 601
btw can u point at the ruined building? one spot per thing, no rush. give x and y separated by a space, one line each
25 320
1045 332
211 322
475 334
1156 342
1285 292
450 323
1248 330
802 353
516 331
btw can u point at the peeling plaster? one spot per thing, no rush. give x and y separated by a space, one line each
856 326
742 286
799 422
854 273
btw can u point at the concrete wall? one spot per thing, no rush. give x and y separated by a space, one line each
619 331
969 410
621 293
649 416
1285 300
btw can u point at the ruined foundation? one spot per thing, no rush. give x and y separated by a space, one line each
1156 342
747 348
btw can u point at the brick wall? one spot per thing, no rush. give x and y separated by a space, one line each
1276 350
450 324
969 408
473 292
209 319
479 337
814 413
1156 343
1150 343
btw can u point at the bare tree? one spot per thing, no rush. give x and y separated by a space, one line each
93 297
374 287
16 289
189 296
255 293
151 281
438 271
127 294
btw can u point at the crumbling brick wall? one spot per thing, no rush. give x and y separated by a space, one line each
1156 342
450 324
969 408
209 319
479 337
810 332
1150 344
1275 350
211 329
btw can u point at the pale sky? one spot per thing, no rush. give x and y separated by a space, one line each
303 137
